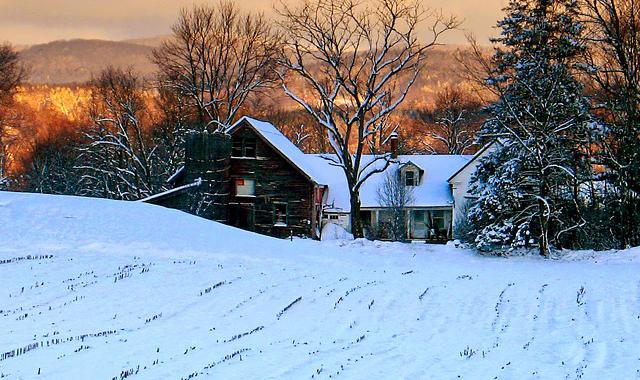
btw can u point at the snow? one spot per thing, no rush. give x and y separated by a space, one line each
195 183
177 174
105 287
332 231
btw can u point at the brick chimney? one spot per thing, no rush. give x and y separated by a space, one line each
393 144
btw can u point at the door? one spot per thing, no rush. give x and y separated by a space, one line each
242 216
418 225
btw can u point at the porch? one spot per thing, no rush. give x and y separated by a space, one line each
430 225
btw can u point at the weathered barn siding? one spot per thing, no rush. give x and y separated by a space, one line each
208 157
276 182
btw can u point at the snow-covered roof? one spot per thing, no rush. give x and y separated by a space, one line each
283 145
433 190
410 163
176 175
178 189
472 159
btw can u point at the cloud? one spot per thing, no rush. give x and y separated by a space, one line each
36 21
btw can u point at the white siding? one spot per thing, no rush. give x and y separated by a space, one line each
460 184
339 219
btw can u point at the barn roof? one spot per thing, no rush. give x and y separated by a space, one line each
282 145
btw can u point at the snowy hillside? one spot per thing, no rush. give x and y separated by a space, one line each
108 290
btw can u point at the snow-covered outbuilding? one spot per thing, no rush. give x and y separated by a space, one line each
276 189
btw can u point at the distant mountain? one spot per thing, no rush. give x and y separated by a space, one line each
76 61
148 41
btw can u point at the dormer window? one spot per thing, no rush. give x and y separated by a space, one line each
410 178
411 174
244 147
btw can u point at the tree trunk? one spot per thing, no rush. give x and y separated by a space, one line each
356 220
543 240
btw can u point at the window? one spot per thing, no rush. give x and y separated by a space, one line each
418 225
243 147
438 219
410 178
249 147
280 215
437 224
236 148
365 217
245 187
333 217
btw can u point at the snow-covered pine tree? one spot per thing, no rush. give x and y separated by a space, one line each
529 188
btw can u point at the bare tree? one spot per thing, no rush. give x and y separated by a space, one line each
174 119
357 62
453 124
119 158
301 135
395 196
612 63
477 64
12 73
50 167
298 126
217 58
386 126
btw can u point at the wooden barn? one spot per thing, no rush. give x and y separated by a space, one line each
253 178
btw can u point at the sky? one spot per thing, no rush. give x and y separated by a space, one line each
25 22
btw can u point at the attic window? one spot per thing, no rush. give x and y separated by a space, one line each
244 147
249 147
410 178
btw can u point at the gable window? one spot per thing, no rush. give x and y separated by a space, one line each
245 187
249 147
244 147
280 215
410 178
236 148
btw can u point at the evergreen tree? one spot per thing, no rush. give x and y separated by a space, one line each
529 188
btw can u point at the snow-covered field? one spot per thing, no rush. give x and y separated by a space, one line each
95 289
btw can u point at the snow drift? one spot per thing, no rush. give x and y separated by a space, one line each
103 289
